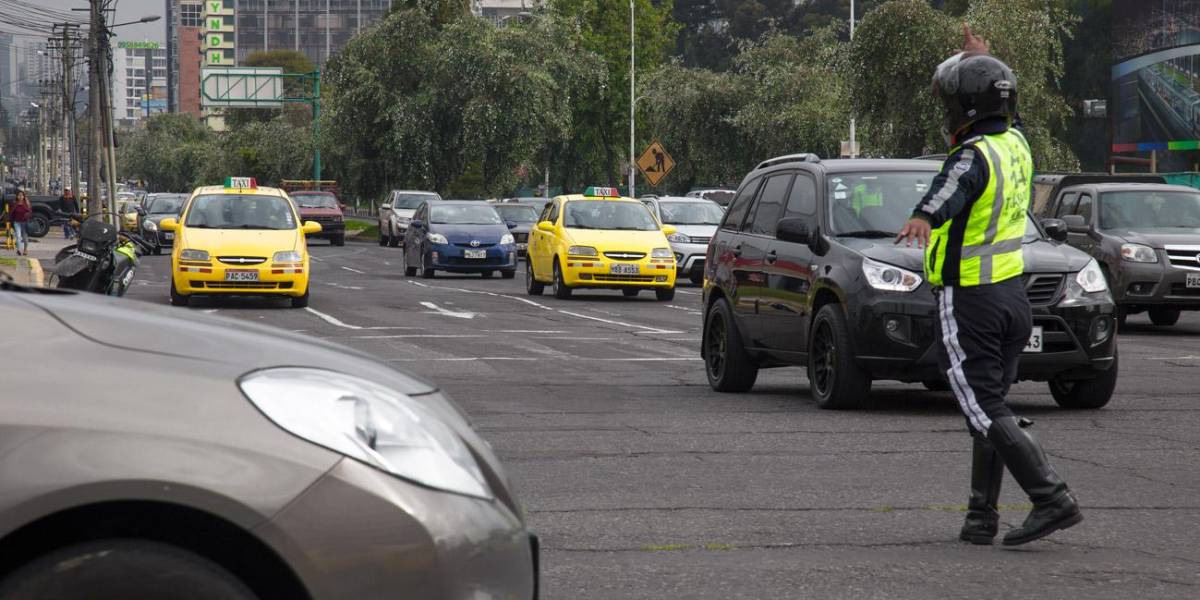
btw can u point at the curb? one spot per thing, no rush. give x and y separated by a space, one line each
29 272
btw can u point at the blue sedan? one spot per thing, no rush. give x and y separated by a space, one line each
459 237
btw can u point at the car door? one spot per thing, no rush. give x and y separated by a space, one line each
786 308
758 233
724 262
542 243
1083 208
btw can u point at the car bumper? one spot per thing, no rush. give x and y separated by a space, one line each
1078 340
1152 285
689 258
272 280
361 533
453 258
160 238
329 230
597 273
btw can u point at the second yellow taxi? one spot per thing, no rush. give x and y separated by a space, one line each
239 239
599 239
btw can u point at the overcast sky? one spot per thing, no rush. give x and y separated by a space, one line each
127 10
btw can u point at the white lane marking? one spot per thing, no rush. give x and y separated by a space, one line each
342 287
417 283
353 270
210 311
523 331
414 335
1188 357
316 258
684 308
466 359
679 291
621 323
332 320
448 313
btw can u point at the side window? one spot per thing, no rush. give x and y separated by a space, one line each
1066 206
545 216
802 202
1084 209
553 218
740 206
769 207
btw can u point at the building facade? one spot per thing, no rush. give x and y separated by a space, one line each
185 38
139 80
318 28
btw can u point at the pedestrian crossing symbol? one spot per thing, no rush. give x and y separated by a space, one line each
655 163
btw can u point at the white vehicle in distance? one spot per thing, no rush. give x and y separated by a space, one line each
695 221
718 195
396 213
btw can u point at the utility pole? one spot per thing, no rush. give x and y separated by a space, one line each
67 43
632 103
95 32
853 133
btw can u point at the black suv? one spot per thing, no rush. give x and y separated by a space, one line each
803 271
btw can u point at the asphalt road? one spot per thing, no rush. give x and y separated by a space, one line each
644 483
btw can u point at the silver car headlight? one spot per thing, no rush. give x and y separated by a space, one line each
679 238
436 238
1138 253
367 422
1091 279
189 254
582 251
507 239
888 278
287 256
661 253
403 220
149 225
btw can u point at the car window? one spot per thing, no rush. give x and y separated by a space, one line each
608 215
410 201
769 207
1066 206
802 201
315 200
1149 209
518 213
1084 208
691 213
165 205
240 211
874 201
740 206
553 218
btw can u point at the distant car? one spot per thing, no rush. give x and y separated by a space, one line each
461 236
537 203
265 464
159 207
695 221
720 196
523 217
322 207
397 211
1146 238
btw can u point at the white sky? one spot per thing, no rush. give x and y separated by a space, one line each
127 10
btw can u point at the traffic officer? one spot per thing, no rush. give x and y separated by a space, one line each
971 223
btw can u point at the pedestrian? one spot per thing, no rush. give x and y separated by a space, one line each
971 223
68 205
21 210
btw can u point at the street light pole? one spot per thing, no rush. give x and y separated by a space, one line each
853 133
632 102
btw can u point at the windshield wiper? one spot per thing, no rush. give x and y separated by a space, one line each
868 233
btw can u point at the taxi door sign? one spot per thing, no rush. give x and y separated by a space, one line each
655 163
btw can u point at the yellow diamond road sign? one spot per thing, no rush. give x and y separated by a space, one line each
655 163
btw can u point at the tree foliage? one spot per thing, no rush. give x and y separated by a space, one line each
171 153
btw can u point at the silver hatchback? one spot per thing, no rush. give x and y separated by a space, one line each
695 221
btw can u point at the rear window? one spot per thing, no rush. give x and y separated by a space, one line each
411 201
315 200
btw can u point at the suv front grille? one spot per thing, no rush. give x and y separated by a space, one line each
1184 257
625 255
1043 289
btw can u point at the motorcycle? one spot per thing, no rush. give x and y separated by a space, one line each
104 260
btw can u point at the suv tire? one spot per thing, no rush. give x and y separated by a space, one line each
561 291
300 301
177 299
1164 317
533 287
1087 393
726 363
38 225
835 379
665 294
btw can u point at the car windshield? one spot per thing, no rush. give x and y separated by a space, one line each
1149 210
463 214
240 211
690 213
315 200
607 214
166 206
519 213
876 205
411 201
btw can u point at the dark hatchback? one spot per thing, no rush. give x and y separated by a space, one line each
520 219
803 272
159 207
459 236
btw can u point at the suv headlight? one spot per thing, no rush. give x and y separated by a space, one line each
1091 279
679 238
436 238
200 255
403 220
1138 253
507 239
582 251
888 278
661 253
369 423
149 225
287 256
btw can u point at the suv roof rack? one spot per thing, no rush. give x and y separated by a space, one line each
789 158
932 157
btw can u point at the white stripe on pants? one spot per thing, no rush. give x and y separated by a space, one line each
955 375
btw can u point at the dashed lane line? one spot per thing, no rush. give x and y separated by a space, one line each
621 323
332 320
354 270
449 313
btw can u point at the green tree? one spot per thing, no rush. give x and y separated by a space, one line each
172 153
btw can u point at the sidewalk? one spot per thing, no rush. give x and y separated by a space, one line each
41 254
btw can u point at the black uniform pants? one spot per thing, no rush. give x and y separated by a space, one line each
981 331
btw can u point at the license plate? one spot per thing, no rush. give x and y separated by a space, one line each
241 275
619 269
168 236
1035 341
1193 280
475 253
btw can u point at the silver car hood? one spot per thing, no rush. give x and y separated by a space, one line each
697 230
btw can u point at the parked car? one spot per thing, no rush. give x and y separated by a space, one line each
322 207
1146 238
44 210
803 272
397 211
273 465
695 221
461 236
718 195
522 217
159 207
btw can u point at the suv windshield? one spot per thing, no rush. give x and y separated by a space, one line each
463 214
1148 210
315 200
411 201
876 205
690 213
608 214
238 211
519 213
166 206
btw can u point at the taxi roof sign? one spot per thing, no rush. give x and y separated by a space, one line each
241 183
602 192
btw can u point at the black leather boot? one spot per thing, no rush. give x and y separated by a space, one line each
987 472
1053 506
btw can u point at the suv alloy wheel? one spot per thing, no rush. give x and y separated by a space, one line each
834 377
728 367
1087 393
533 287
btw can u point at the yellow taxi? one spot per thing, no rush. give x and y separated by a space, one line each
599 239
239 239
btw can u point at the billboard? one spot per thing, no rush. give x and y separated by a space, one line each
1155 98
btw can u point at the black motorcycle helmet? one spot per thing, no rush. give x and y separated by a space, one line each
973 87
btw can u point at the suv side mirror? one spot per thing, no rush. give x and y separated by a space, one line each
1056 229
794 230
1075 224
